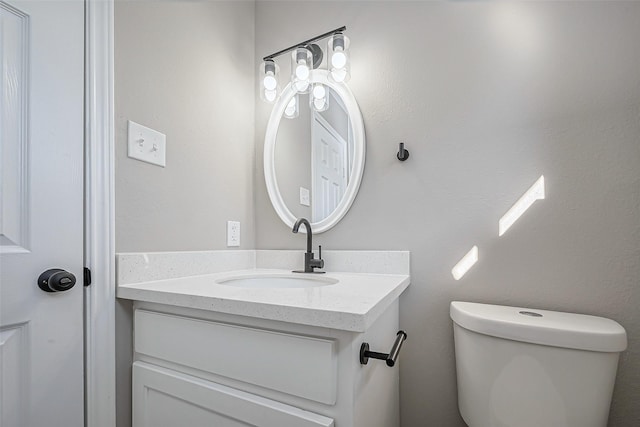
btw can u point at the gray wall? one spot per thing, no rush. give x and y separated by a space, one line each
293 158
185 69
488 97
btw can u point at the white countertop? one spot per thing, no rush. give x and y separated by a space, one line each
352 304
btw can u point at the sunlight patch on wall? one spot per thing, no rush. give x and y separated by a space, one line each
536 192
467 261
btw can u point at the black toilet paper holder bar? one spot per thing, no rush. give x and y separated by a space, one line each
390 357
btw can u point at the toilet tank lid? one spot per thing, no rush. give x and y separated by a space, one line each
568 330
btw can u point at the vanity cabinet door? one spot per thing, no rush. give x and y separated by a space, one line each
166 398
298 365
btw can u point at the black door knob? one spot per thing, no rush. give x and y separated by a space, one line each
56 280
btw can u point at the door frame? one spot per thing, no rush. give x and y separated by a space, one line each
99 232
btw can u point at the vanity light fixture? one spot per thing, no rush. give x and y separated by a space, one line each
305 57
318 100
292 109
301 63
269 80
339 58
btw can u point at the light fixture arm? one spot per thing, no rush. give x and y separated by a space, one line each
304 43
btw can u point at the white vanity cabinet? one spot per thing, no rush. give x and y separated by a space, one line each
165 397
197 368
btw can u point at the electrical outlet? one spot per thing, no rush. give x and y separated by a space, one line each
305 199
233 233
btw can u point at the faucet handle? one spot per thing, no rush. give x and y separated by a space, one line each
320 260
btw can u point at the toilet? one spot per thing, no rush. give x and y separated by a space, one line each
519 367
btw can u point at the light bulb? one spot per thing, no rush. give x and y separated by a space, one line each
270 82
302 85
301 60
302 71
319 92
339 59
319 103
340 69
339 75
292 111
318 99
270 95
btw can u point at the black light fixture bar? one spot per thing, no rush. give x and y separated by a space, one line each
305 43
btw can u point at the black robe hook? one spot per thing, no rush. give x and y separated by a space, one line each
402 153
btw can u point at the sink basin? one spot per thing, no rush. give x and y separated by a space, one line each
277 281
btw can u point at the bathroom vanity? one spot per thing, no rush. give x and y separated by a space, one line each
234 338
265 347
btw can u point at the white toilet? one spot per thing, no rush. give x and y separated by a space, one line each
520 367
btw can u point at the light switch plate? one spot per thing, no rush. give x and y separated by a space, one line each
305 199
147 145
233 233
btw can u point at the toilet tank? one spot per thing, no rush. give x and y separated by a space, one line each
519 367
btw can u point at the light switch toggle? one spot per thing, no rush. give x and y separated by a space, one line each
146 144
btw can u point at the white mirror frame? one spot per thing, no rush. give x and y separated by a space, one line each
357 126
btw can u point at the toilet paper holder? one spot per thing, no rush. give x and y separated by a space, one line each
390 357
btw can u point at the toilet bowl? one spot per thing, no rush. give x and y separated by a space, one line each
519 367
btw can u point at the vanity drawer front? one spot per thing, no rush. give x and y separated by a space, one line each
293 364
166 398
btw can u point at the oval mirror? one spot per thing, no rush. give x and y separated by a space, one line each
313 164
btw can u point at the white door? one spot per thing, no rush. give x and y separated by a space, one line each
41 206
329 165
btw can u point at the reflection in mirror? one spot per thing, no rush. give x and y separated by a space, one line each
314 158
322 154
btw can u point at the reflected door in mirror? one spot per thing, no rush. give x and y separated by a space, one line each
314 151
329 160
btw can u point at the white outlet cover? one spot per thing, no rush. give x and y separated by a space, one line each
147 145
305 199
233 233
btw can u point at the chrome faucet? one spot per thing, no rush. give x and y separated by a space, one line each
309 261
